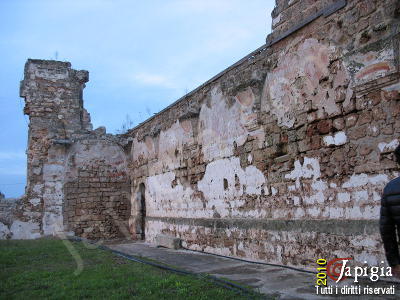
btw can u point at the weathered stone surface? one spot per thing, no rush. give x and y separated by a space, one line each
96 203
5 232
168 241
8 208
24 230
71 169
312 132
300 130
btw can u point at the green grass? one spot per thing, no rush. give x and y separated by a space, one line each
45 269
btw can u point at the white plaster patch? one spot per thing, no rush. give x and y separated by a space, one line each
372 212
220 126
363 242
335 212
35 201
366 257
353 213
276 20
251 182
309 169
388 147
319 187
212 183
171 142
37 170
296 200
314 211
339 253
274 191
52 172
143 149
363 179
37 188
220 250
376 197
339 138
53 221
299 213
343 197
24 230
360 196
164 199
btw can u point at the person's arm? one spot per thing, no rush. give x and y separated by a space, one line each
388 233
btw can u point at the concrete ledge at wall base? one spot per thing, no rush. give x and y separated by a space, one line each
330 226
168 241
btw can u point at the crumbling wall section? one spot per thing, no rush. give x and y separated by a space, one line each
281 157
299 130
97 202
58 192
7 209
8 212
53 102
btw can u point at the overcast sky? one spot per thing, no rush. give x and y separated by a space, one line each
141 55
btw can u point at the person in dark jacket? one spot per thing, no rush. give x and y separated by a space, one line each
389 221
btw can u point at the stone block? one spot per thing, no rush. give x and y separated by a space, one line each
168 241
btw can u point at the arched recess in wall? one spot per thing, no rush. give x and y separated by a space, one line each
96 190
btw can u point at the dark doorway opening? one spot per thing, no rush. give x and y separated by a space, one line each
142 211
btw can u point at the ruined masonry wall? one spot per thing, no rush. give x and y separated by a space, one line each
282 157
77 181
97 202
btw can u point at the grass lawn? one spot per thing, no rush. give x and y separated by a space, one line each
45 268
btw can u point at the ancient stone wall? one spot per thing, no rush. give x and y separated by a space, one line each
283 156
53 102
97 202
290 14
75 175
8 211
